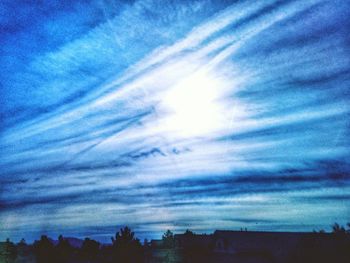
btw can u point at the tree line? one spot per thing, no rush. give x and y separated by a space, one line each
127 248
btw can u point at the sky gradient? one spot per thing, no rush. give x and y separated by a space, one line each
172 115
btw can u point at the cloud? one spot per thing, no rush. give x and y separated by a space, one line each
164 116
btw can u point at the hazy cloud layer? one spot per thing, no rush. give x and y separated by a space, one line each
184 114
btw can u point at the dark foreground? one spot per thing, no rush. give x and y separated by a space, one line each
221 246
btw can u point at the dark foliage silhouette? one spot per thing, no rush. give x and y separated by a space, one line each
90 250
8 252
194 252
168 239
126 248
189 233
320 247
323 247
22 242
64 251
44 250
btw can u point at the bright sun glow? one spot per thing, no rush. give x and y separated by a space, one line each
192 105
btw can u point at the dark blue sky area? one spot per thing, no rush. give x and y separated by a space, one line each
173 115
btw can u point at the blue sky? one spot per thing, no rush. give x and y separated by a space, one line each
173 115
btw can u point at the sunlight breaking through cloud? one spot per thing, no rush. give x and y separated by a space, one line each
189 114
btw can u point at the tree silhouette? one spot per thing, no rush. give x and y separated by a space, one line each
168 239
90 250
64 250
194 252
338 229
324 247
44 250
319 246
341 241
124 237
189 233
126 248
9 252
22 242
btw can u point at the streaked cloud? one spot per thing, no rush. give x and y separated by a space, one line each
194 114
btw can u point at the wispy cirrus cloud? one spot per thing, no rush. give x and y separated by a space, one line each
152 111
